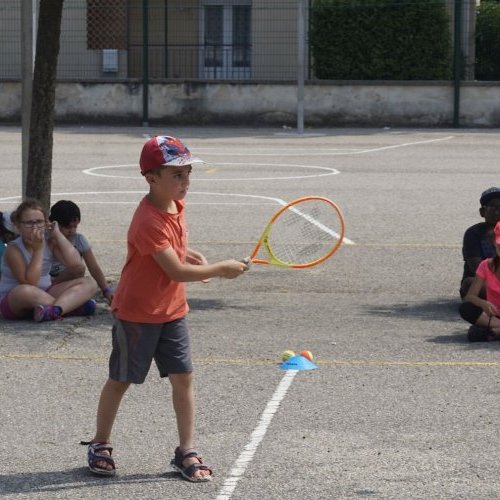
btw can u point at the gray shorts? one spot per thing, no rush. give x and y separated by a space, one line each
135 345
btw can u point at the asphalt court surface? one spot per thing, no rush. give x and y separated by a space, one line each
401 406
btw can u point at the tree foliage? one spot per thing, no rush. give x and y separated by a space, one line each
488 41
381 39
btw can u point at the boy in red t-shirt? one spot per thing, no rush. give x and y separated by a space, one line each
150 305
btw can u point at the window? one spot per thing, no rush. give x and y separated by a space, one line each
106 24
226 35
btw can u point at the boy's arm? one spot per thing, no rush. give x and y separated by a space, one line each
63 250
195 257
96 273
168 260
472 263
471 249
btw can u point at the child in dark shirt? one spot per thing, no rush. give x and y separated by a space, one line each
478 239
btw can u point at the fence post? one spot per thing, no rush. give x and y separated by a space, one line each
28 49
457 62
300 64
145 63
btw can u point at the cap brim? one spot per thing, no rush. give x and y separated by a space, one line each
182 161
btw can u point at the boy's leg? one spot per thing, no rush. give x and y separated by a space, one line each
183 401
133 349
109 402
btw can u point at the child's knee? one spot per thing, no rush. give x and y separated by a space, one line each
470 312
181 380
24 292
89 283
92 284
117 386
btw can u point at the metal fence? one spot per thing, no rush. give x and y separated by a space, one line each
225 40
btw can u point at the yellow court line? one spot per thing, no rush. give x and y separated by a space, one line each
409 245
382 362
269 362
359 245
211 170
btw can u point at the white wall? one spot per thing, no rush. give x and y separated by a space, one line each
335 104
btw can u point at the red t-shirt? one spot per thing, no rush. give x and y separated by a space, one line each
491 280
145 293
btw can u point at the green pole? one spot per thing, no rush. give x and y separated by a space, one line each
301 7
457 63
28 51
145 63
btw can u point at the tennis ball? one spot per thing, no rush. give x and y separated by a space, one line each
286 355
307 354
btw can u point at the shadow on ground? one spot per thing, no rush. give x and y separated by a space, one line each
214 304
71 479
438 309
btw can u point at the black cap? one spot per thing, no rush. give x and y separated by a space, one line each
488 195
64 212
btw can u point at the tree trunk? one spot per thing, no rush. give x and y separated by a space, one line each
39 173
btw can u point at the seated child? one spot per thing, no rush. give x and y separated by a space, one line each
477 242
484 314
67 215
25 285
7 231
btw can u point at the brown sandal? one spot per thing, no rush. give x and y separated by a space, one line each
95 455
188 472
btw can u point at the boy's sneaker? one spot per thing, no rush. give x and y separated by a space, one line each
46 313
86 309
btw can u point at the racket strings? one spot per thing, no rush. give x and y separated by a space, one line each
304 232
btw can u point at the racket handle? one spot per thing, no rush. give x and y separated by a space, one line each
247 261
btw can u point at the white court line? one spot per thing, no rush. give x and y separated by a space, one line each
279 201
315 222
246 456
191 203
406 144
275 152
329 171
324 151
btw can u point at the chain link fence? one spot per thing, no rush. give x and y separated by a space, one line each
256 40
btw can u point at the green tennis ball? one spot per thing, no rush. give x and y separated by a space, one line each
286 355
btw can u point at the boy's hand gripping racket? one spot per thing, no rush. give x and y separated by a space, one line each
303 233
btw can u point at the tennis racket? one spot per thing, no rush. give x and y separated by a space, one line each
303 233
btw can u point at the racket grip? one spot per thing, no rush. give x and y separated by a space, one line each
247 261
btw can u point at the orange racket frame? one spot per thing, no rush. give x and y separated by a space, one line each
263 240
